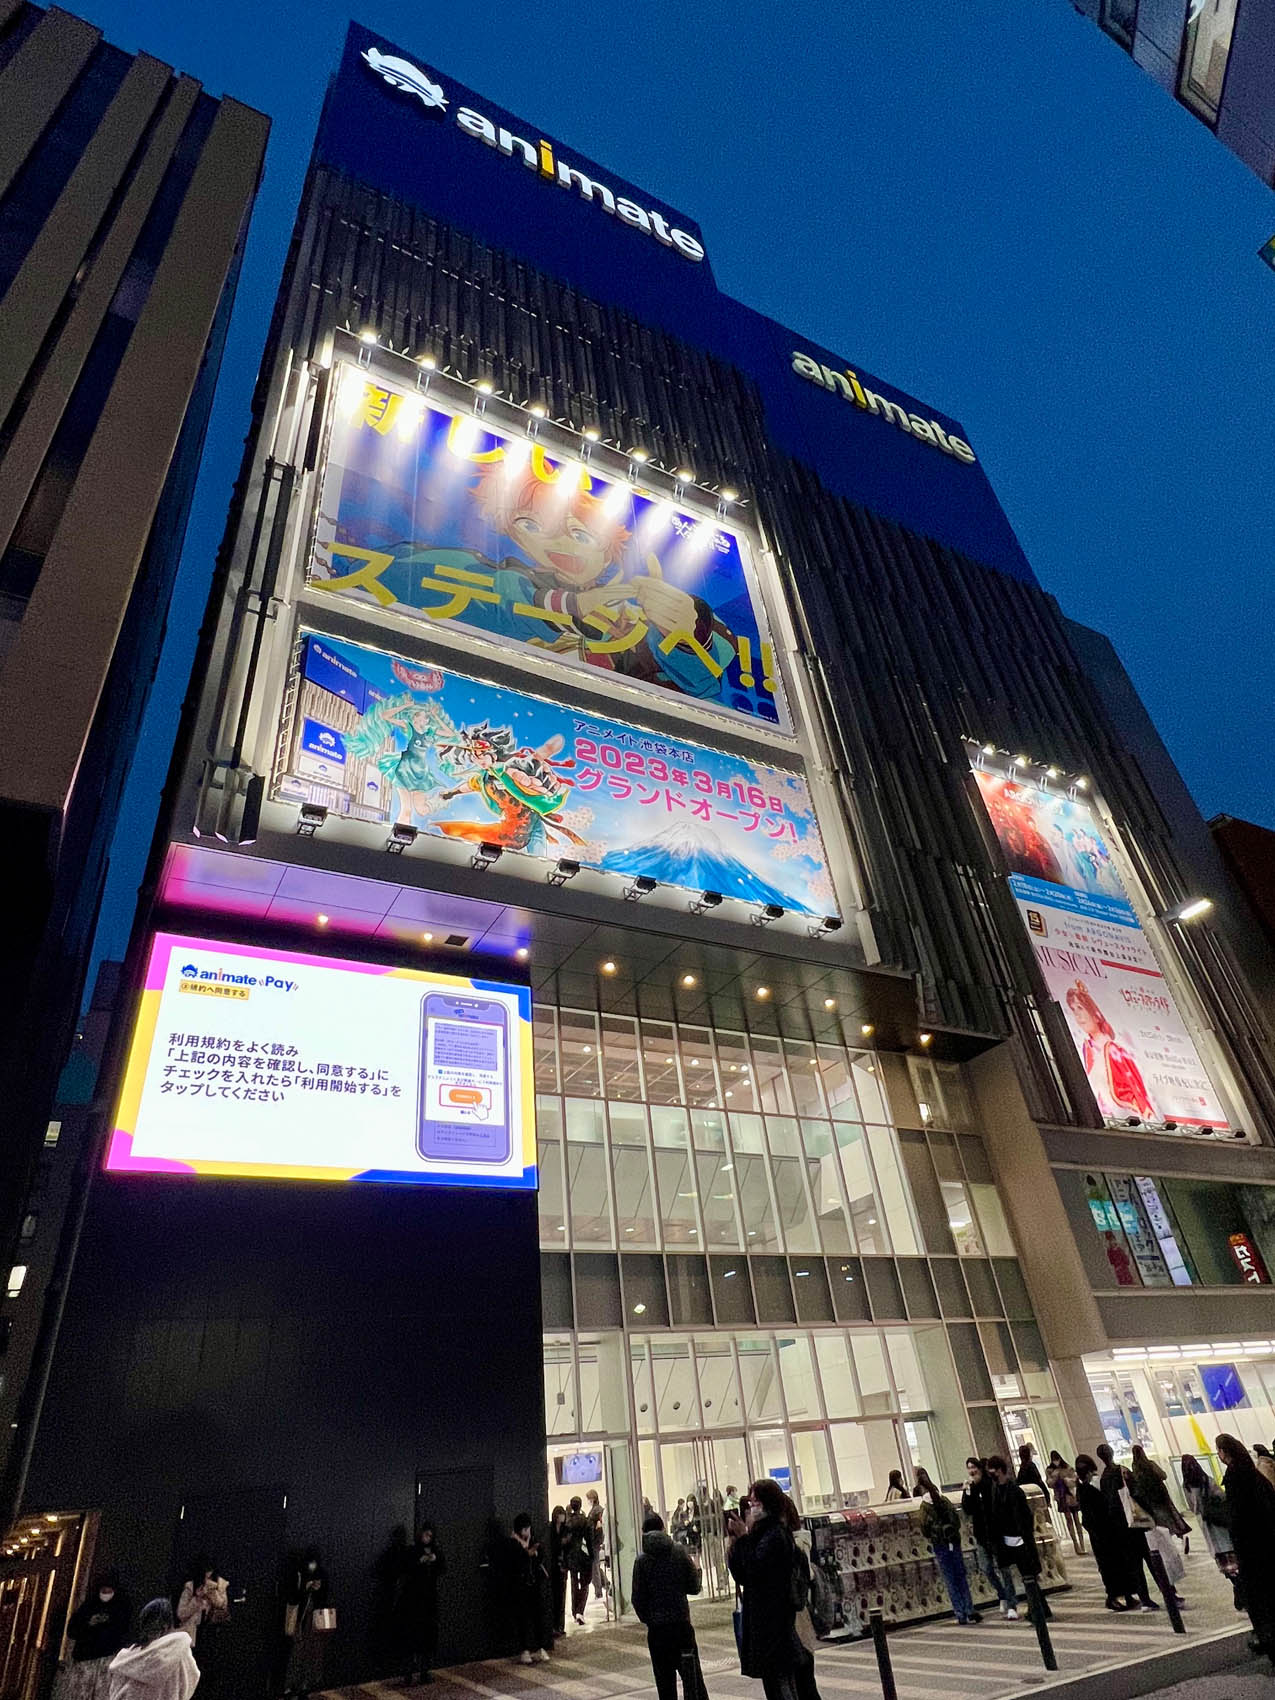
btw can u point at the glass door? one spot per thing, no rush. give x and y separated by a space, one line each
623 1527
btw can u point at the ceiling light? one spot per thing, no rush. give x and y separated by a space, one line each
608 967
924 1038
867 1029
763 991
427 938
689 980
830 1003
321 920
639 1309
522 953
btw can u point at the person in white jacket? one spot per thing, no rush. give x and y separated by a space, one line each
160 1665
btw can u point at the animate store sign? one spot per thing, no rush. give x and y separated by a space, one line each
1093 953
379 738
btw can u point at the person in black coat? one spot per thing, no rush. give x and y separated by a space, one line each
577 1543
1013 1528
1111 1483
529 1593
98 1627
761 1558
423 1569
1250 1499
1029 1470
1106 1537
307 1593
557 1544
976 1503
664 1575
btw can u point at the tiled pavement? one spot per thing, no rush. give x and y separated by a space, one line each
989 1659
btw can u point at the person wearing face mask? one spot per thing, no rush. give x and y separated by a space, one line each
98 1627
529 1594
307 1594
418 1605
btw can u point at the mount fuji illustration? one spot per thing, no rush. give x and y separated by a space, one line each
697 860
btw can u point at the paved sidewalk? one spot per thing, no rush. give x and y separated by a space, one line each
989 1659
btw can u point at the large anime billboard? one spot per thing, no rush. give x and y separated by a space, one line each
378 738
1096 960
434 515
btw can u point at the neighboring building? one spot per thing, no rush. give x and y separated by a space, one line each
611 698
1248 850
1215 57
125 192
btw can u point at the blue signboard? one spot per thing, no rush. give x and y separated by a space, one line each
396 122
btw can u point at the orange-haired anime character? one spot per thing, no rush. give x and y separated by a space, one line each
571 593
1114 1076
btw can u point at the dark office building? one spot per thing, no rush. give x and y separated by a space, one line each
125 192
1248 850
1215 57
661 965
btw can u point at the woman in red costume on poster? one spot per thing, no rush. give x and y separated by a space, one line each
1113 1074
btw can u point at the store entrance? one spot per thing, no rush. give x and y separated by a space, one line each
604 1468
698 1477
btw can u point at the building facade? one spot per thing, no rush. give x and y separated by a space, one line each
125 191
632 755
1215 57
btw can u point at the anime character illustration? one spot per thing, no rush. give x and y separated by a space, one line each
524 793
1114 1076
419 750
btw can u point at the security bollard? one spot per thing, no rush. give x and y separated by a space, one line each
1155 1564
1036 1611
877 1625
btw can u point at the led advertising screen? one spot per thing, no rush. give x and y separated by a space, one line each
434 516
379 738
258 1062
1093 953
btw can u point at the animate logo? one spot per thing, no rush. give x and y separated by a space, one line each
537 155
846 384
196 979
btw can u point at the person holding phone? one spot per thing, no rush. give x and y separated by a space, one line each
762 1558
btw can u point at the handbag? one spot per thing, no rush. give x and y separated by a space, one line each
324 1619
1161 1541
1134 1515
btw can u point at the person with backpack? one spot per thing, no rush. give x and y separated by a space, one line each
941 1526
774 1576
664 1577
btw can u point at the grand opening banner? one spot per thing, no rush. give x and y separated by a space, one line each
434 516
1093 953
257 1062
380 738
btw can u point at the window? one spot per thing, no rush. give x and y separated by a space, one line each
1206 47
732 1291
644 1295
689 1302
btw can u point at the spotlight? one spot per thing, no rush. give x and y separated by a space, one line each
369 338
484 856
867 1029
591 434
522 953
769 912
728 493
401 838
705 900
1189 910
320 920
608 967
924 1038
428 362
639 455
689 980
684 475
829 924
989 749
484 386
830 1003
537 410
642 887
565 870
1082 784
310 819
762 992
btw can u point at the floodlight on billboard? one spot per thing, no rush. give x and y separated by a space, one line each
375 737
432 514
251 1061
1097 962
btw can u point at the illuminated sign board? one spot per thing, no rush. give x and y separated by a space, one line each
1249 1260
258 1062
430 514
426 92
1096 960
478 763
846 383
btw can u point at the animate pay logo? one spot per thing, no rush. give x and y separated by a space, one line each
223 977
537 155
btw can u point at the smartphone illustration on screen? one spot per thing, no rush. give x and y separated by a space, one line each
464 1108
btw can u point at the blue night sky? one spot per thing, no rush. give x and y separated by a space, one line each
988 206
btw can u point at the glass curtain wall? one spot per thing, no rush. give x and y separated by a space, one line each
748 1269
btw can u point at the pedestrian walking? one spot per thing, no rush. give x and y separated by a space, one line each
941 1525
423 1569
664 1578
594 1517
1062 1485
976 1503
305 1625
765 1562
1108 1536
1014 1527
98 1627
160 1664
1028 1469
557 1556
896 1487
1208 1501
1114 1487
529 1592
578 1546
1250 1500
